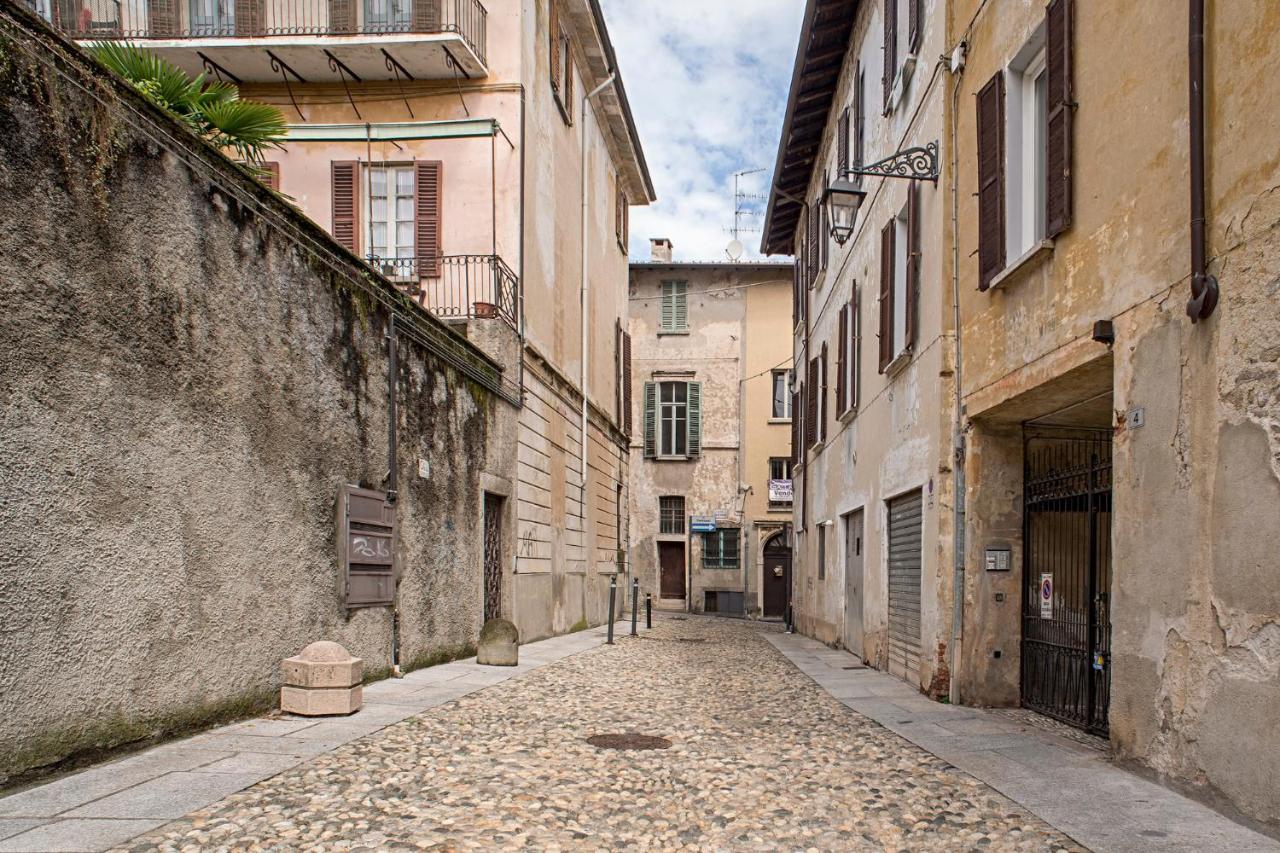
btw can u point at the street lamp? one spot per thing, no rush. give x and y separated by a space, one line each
843 197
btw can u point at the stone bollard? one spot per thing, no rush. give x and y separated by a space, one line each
323 680
499 644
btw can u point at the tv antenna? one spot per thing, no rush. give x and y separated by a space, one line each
744 205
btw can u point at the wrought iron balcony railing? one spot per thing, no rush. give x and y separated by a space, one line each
205 19
463 287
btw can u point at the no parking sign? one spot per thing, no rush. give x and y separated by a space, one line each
1046 596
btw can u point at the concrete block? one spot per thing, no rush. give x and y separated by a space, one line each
320 702
169 797
79 835
499 644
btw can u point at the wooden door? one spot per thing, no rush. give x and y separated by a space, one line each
853 582
671 564
777 576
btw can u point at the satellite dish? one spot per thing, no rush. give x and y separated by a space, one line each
734 251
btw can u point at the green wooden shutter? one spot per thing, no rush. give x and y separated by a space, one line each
681 306
695 419
650 419
668 306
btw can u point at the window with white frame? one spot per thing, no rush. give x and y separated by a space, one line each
673 418
389 219
780 483
1026 133
781 395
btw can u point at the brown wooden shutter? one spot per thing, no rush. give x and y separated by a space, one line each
626 382
815 225
913 264
886 295
842 143
913 25
811 405
890 49
797 450
162 18
250 17
1058 58
859 117
553 29
842 356
426 16
428 192
272 176
342 16
822 401
568 79
855 355
344 181
991 243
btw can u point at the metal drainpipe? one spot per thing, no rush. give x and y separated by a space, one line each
957 425
586 99
1204 287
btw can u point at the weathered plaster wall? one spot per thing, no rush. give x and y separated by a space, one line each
1195 622
187 385
898 439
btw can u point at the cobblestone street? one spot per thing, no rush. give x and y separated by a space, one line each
760 757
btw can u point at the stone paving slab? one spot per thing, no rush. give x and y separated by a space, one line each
1071 785
106 805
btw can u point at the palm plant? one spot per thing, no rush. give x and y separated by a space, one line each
211 108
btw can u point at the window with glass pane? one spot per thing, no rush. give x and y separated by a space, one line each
779 469
213 18
674 418
387 15
781 395
671 515
390 212
720 549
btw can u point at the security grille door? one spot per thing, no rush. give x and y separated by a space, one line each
492 556
1066 617
905 518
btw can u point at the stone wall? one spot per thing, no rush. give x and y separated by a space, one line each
191 372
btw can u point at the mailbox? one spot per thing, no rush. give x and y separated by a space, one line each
367 547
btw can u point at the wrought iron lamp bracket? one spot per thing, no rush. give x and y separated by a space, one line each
914 164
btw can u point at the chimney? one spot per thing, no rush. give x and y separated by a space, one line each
660 250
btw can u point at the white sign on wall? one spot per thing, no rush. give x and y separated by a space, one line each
780 491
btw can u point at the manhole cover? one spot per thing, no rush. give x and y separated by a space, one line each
628 741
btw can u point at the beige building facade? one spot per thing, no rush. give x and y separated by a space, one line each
711 472
484 157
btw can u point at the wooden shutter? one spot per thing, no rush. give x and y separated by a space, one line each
814 227
680 305
886 295
650 424
842 360
425 17
566 49
990 180
824 228
617 371
811 405
342 16
859 117
890 50
162 18
1058 50
344 181
272 176
695 419
797 418
842 143
822 400
855 347
553 30
912 307
428 190
914 13
250 17
626 383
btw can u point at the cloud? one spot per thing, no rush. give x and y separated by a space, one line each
707 80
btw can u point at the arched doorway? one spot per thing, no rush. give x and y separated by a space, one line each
776 583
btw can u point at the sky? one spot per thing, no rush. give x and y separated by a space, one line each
707 81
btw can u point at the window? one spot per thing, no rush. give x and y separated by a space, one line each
720 549
622 361
671 515
675 306
780 484
847 363
388 212
1026 134
899 283
902 32
621 216
782 395
672 420
822 551
561 66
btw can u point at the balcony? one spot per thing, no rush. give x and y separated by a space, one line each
296 41
465 287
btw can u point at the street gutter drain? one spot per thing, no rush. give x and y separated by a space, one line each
629 740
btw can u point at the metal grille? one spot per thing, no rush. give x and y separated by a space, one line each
905 515
492 557
671 515
1066 623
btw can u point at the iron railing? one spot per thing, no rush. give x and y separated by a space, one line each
199 19
461 287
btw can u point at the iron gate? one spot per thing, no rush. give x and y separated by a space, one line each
1066 623
492 556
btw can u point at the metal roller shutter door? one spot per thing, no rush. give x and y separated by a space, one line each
905 521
